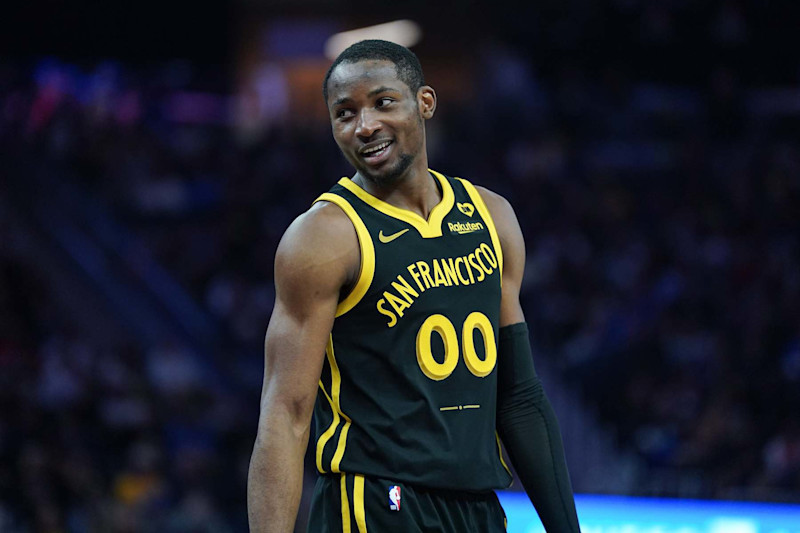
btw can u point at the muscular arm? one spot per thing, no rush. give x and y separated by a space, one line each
317 256
525 419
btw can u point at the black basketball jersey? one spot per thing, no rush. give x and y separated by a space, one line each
408 388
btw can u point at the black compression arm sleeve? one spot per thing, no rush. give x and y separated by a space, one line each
529 430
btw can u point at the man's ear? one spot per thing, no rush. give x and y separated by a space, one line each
426 101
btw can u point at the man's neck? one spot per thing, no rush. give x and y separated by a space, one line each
417 192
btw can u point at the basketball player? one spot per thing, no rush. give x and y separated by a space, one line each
397 322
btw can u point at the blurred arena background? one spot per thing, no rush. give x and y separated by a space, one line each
153 154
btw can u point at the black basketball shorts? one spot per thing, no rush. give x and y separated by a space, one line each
352 503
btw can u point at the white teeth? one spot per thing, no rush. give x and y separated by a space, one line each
377 148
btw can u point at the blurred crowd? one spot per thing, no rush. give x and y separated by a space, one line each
662 277
115 437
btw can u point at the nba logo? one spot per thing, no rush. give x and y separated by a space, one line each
394 498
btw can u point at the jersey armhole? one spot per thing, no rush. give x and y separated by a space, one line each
480 205
367 268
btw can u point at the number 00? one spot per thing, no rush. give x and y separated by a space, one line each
442 326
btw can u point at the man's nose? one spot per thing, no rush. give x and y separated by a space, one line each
367 124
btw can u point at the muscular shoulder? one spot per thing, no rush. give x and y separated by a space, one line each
323 223
513 246
502 213
318 250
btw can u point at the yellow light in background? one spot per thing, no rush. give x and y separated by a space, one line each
404 32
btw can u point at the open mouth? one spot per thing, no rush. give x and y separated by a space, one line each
375 153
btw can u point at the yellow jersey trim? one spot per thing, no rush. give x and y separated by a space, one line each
345 506
480 205
367 269
337 457
325 437
426 228
337 380
500 453
336 407
358 503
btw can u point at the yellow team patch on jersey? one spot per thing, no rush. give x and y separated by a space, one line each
466 208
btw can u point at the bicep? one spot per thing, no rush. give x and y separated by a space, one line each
513 269
310 269
294 349
513 246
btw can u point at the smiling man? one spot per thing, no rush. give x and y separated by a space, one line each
397 323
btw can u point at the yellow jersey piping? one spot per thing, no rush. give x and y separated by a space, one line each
335 402
325 437
367 268
426 228
480 205
337 456
500 453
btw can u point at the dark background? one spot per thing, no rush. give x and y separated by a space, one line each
154 153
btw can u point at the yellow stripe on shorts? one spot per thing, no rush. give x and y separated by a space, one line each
358 503
345 507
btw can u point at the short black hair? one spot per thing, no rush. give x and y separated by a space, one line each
409 70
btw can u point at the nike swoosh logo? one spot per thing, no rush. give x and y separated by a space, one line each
389 238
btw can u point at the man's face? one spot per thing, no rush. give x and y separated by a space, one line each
376 119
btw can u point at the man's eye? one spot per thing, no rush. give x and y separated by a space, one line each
383 102
344 113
